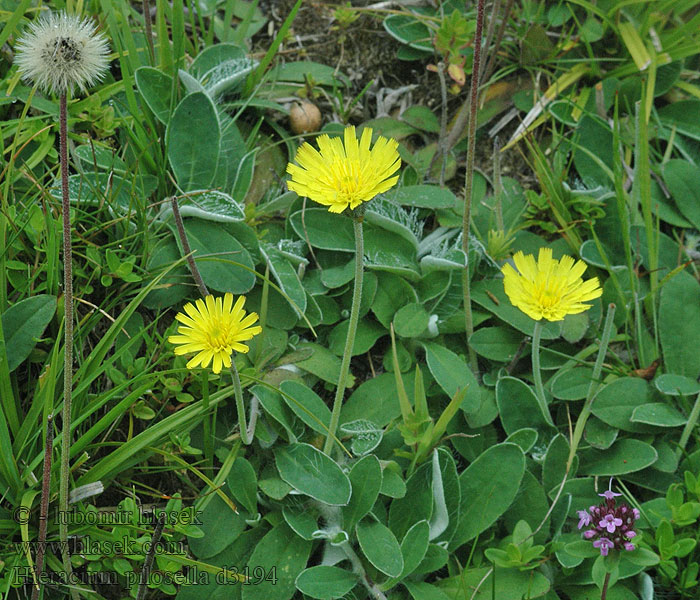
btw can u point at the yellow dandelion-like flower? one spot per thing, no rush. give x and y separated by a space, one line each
548 288
345 173
60 51
214 328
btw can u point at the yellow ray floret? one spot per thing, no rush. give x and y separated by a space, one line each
548 288
214 328
345 173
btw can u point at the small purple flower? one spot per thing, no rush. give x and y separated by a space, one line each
604 544
609 522
584 518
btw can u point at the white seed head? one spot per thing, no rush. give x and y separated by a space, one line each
61 51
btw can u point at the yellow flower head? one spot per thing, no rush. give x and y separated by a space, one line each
345 173
548 288
214 328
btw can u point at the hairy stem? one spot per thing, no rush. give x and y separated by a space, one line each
240 407
44 507
148 563
68 343
359 570
469 181
187 249
593 386
537 373
350 339
604 592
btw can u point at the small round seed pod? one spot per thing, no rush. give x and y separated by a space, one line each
304 117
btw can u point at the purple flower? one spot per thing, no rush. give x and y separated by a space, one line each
609 522
584 518
604 544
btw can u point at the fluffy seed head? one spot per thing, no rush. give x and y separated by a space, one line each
60 51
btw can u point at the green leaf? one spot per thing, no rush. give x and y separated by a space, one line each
283 552
380 547
368 332
193 136
616 401
221 526
322 363
682 179
421 117
414 546
488 485
286 276
452 373
311 472
420 590
658 414
215 249
571 384
676 385
509 584
392 484
409 30
307 405
210 205
366 479
155 88
363 404
496 343
518 406
525 438
411 320
243 484
679 324
326 583
424 196
366 436
303 521
624 456
554 466
23 324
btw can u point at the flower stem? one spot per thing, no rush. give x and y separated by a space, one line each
44 509
350 339
68 343
186 248
208 441
593 386
469 181
689 426
537 374
240 407
604 592
359 570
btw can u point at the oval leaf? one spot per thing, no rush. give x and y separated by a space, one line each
311 472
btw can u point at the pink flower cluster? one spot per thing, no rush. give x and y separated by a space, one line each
612 527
